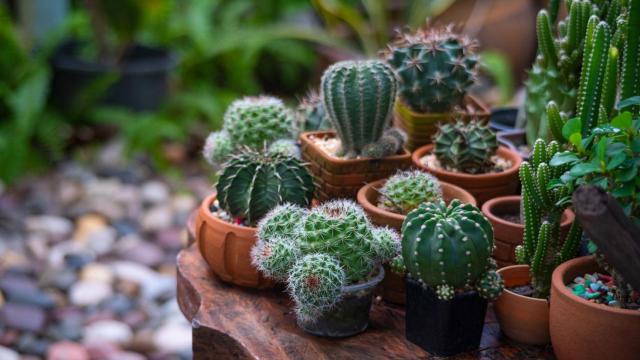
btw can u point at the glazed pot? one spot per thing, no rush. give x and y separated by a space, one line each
522 318
508 234
350 316
420 127
584 330
482 186
341 178
444 328
227 248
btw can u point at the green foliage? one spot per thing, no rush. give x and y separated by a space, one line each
405 190
467 147
449 248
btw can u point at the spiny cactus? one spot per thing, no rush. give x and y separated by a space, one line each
397 265
542 211
358 96
389 144
281 221
310 113
449 248
467 147
285 146
630 77
435 67
217 147
253 183
276 257
406 190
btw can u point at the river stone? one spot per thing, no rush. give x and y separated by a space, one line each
88 293
111 331
67 350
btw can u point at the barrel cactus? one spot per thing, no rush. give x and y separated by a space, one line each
406 190
252 183
448 248
466 147
358 97
435 68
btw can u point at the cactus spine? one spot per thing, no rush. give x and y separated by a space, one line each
310 113
467 147
631 53
406 190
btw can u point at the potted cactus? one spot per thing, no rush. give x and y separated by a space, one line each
330 257
310 114
468 155
435 67
358 97
250 185
450 276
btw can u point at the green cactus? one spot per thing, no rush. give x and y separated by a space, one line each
276 257
311 115
285 146
358 97
630 77
435 68
467 147
256 121
389 144
397 265
406 190
253 183
449 248
281 221
217 147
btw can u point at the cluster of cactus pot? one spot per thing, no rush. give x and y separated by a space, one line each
406 190
466 147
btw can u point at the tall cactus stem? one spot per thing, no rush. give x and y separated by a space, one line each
631 55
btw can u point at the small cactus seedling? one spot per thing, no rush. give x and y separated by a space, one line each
285 146
217 147
311 115
467 147
448 248
406 190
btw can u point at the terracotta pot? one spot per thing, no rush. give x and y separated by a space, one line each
507 234
584 330
482 186
522 318
227 248
340 178
421 127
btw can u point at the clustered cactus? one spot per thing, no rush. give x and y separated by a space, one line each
448 248
467 147
310 114
406 190
358 97
435 68
321 250
253 183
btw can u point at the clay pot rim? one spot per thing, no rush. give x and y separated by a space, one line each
561 290
511 293
208 216
503 152
487 210
305 137
481 109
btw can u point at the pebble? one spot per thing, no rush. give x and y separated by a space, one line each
8 354
67 350
154 192
55 228
87 224
22 317
111 331
159 217
145 253
88 293
598 288
173 337
97 272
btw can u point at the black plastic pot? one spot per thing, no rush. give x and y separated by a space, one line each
516 140
350 316
443 328
503 118
140 82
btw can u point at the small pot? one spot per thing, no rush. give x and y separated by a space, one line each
522 318
584 330
350 316
503 118
420 127
482 186
508 234
444 328
227 248
516 140
340 178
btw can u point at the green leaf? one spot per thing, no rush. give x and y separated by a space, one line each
625 103
616 161
563 158
623 191
601 149
628 174
584 169
622 121
571 127
576 140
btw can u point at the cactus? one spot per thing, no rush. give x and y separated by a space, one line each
358 97
389 144
310 113
467 147
276 257
435 68
406 190
397 265
448 248
217 147
253 183
630 77
285 146
281 221
542 211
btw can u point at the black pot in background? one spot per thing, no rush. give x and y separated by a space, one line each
516 140
503 118
141 81
444 328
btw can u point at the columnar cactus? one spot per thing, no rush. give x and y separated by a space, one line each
435 68
467 147
406 190
253 183
630 77
310 113
358 96
448 248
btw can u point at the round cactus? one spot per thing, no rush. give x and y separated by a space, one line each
490 285
435 67
386 243
285 146
467 147
310 113
397 265
406 190
256 121
282 221
252 183
448 247
276 257
217 147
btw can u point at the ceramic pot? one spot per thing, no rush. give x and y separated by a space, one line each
482 186
588 331
340 178
522 318
227 248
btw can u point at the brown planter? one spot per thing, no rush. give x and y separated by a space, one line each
507 234
482 186
420 128
392 288
339 178
584 330
522 318
227 248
